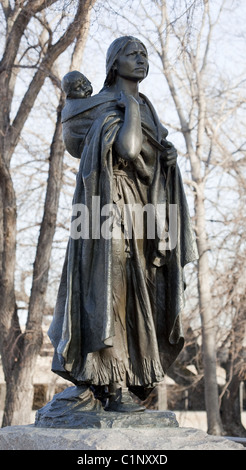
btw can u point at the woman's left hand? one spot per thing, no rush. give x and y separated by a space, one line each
169 157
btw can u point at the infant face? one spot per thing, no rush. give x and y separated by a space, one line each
76 85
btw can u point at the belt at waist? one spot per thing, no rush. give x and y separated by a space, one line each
127 173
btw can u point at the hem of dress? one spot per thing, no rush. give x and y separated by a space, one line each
148 372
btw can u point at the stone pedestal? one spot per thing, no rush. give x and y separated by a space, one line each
75 420
116 439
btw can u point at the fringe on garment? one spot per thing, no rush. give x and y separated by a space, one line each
103 371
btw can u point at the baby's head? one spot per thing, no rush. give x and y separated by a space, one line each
76 85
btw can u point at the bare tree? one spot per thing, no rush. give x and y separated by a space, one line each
19 349
233 354
230 285
202 156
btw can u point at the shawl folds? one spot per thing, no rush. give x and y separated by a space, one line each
83 319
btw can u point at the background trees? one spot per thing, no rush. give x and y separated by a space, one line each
200 94
36 34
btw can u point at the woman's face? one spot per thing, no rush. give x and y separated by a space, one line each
133 63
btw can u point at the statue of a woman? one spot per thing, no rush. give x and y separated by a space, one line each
117 324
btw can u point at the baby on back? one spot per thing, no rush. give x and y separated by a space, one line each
76 85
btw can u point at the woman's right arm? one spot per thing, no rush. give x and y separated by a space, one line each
129 140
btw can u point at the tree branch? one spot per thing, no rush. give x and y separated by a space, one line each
52 54
17 30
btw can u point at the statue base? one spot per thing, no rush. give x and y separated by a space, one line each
75 420
76 408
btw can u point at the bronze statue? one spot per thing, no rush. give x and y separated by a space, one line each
117 322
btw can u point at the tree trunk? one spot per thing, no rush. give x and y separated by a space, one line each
235 372
10 333
231 409
19 383
19 388
208 324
